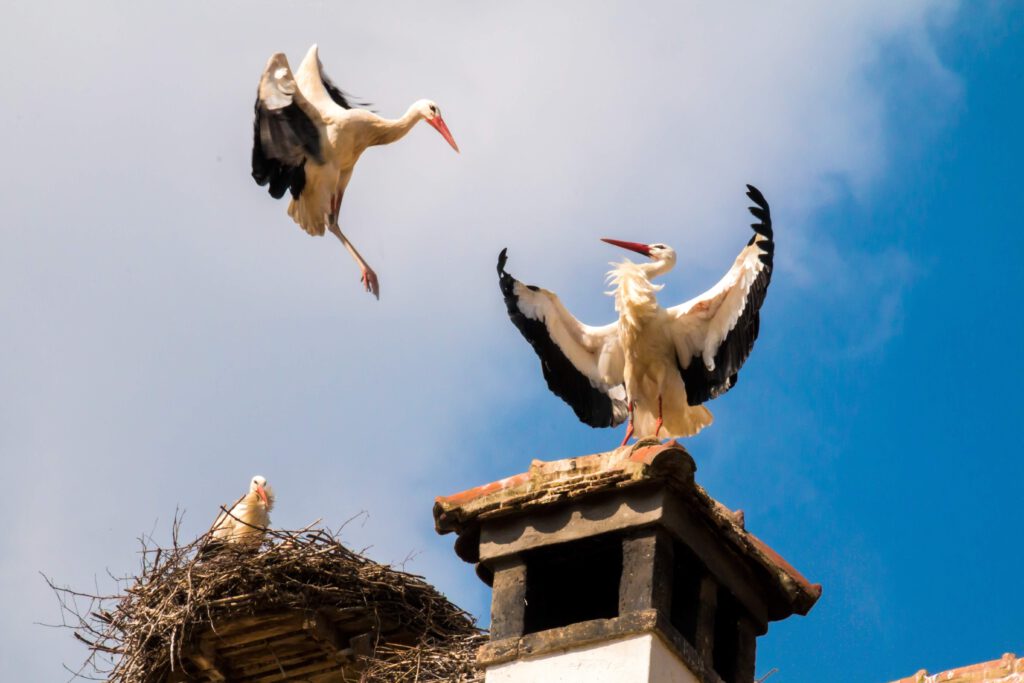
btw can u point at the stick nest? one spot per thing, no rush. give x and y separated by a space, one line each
430 661
144 632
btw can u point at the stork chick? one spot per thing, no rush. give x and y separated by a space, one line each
246 521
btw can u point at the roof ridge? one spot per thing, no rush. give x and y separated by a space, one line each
1007 669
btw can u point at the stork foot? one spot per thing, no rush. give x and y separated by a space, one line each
370 282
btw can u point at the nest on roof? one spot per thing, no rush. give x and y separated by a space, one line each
429 661
302 607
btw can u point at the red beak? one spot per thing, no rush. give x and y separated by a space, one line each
262 494
438 123
632 246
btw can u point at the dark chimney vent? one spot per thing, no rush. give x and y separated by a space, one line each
620 549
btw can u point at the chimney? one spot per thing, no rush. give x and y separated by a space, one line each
618 567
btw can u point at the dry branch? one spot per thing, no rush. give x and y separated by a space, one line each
147 630
449 660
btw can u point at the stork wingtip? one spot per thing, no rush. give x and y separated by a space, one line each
761 212
755 195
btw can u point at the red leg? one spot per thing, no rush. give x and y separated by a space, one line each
367 277
629 429
335 206
660 422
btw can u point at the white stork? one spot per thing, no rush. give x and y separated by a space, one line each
307 138
654 366
245 522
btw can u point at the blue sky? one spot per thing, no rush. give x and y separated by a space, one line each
168 332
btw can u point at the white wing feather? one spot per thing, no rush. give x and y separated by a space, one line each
594 351
701 324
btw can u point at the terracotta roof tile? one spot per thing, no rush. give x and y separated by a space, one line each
548 483
1007 669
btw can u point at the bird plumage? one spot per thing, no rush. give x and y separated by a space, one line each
245 522
581 364
309 134
654 365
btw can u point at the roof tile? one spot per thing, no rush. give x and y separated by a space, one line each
1007 669
548 483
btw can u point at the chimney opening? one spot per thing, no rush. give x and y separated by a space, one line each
687 573
572 582
725 650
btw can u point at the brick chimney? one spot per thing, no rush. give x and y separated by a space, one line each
618 567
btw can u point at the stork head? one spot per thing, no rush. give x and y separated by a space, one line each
657 252
259 486
431 113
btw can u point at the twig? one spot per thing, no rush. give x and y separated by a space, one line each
149 625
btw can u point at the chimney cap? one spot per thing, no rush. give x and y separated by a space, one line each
573 480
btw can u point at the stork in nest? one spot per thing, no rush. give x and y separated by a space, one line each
245 523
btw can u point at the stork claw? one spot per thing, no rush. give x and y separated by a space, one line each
370 282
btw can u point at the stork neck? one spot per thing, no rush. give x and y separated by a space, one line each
393 130
635 299
655 268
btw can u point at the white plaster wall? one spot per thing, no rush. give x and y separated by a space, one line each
643 658
666 667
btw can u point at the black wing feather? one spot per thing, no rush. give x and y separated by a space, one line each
591 405
290 124
702 384
340 97
284 136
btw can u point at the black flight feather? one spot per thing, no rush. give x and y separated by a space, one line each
282 141
340 97
702 384
591 405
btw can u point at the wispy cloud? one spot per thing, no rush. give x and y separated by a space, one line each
169 332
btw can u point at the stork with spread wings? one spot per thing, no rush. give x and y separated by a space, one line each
308 136
654 366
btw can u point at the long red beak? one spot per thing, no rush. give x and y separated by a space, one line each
262 494
442 128
632 246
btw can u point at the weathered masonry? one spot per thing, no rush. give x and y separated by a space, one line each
619 567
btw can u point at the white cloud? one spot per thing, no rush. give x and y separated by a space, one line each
169 332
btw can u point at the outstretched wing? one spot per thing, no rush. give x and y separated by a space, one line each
573 356
319 88
284 134
714 332
340 97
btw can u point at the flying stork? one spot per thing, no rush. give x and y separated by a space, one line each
654 366
246 521
307 138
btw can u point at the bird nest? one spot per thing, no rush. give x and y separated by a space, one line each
301 607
